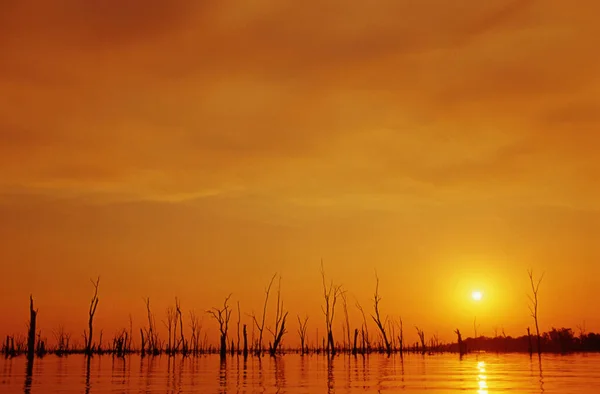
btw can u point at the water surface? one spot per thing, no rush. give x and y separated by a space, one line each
444 373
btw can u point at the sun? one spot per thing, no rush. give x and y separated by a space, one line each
477 295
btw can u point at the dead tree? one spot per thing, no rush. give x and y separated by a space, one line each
401 337
461 349
238 327
171 319
92 312
345 305
533 306
143 345
151 335
377 318
182 342
62 341
422 338
245 343
261 326
302 333
31 336
366 344
222 317
529 345
196 327
280 319
330 294
130 334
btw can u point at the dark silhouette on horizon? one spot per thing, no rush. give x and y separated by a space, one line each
557 340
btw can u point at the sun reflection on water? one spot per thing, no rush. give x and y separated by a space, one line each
482 378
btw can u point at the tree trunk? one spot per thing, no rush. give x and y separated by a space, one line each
31 336
245 343
223 351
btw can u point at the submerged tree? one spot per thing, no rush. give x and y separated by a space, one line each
261 326
31 336
330 294
151 336
302 333
182 341
461 350
421 334
171 319
366 344
347 320
196 328
280 319
401 337
93 305
533 306
377 318
222 316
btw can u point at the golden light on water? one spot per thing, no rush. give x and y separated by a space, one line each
482 378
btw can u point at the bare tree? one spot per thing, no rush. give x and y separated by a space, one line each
92 312
330 294
222 316
62 340
261 326
196 328
302 333
151 334
245 333
366 344
171 319
422 339
345 306
280 319
533 306
238 327
401 337
31 336
460 342
377 318
182 342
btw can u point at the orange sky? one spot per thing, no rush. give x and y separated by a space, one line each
194 149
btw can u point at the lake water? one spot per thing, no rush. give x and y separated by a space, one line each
444 373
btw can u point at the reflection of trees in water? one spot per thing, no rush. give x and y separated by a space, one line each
366 369
245 374
541 374
150 371
223 375
280 382
88 386
402 364
303 371
383 372
119 369
330 375
261 378
28 376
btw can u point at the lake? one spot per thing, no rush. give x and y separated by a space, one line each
443 373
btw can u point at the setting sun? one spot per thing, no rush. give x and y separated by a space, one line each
477 295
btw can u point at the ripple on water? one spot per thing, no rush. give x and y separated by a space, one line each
444 373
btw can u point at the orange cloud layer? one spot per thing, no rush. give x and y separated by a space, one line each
193 149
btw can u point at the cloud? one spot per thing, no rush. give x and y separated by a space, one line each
300 100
